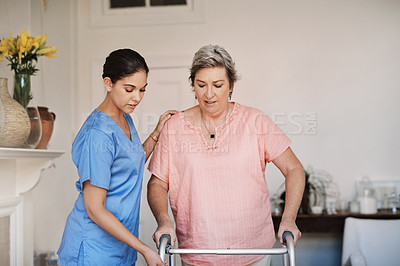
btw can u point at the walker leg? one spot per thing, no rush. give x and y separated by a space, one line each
285 259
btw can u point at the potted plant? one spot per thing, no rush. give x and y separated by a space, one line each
22 52
315 190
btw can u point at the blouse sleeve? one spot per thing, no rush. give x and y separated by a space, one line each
93 156
159 162
275 142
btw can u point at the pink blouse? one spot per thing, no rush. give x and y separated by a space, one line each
218 194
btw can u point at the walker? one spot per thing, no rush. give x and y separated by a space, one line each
286 252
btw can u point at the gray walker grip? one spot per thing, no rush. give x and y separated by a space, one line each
165 241
285 234
288 240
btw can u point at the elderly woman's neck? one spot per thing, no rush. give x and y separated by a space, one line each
216 118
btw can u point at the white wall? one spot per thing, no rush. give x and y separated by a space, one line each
52 87
337 59
55 194
14 17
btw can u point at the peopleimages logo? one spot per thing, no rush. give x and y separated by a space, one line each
295 123
180 147
291 123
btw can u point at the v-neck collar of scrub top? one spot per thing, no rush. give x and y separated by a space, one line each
127 121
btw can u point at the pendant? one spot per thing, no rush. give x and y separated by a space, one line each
212 135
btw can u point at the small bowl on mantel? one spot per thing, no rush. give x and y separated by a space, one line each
316 209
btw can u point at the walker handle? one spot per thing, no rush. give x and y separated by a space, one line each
165 241
288 240
168 237
285 234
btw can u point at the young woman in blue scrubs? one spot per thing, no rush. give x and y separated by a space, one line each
102 228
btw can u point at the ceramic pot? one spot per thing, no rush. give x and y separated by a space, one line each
47 119
14 121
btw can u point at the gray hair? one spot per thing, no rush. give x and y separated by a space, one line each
213 56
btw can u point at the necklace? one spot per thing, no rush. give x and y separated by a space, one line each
212 135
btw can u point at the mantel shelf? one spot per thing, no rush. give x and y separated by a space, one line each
28 165
14 153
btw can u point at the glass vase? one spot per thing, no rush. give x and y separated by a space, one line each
22 89
36 128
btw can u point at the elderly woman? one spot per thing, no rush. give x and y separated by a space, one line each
211 159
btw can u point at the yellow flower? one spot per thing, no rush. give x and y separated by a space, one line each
11 43
36 42
19 50
24 38
28 46
43 41
4 45
48 51
4 49
24 50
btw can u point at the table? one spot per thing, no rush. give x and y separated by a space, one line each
330 223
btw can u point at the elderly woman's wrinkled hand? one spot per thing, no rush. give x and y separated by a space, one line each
164 229
291 227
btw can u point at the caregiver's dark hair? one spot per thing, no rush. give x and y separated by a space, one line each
123 62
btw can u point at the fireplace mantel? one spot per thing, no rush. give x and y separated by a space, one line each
28 164
14 153
20 172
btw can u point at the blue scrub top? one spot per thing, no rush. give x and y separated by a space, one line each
104 155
